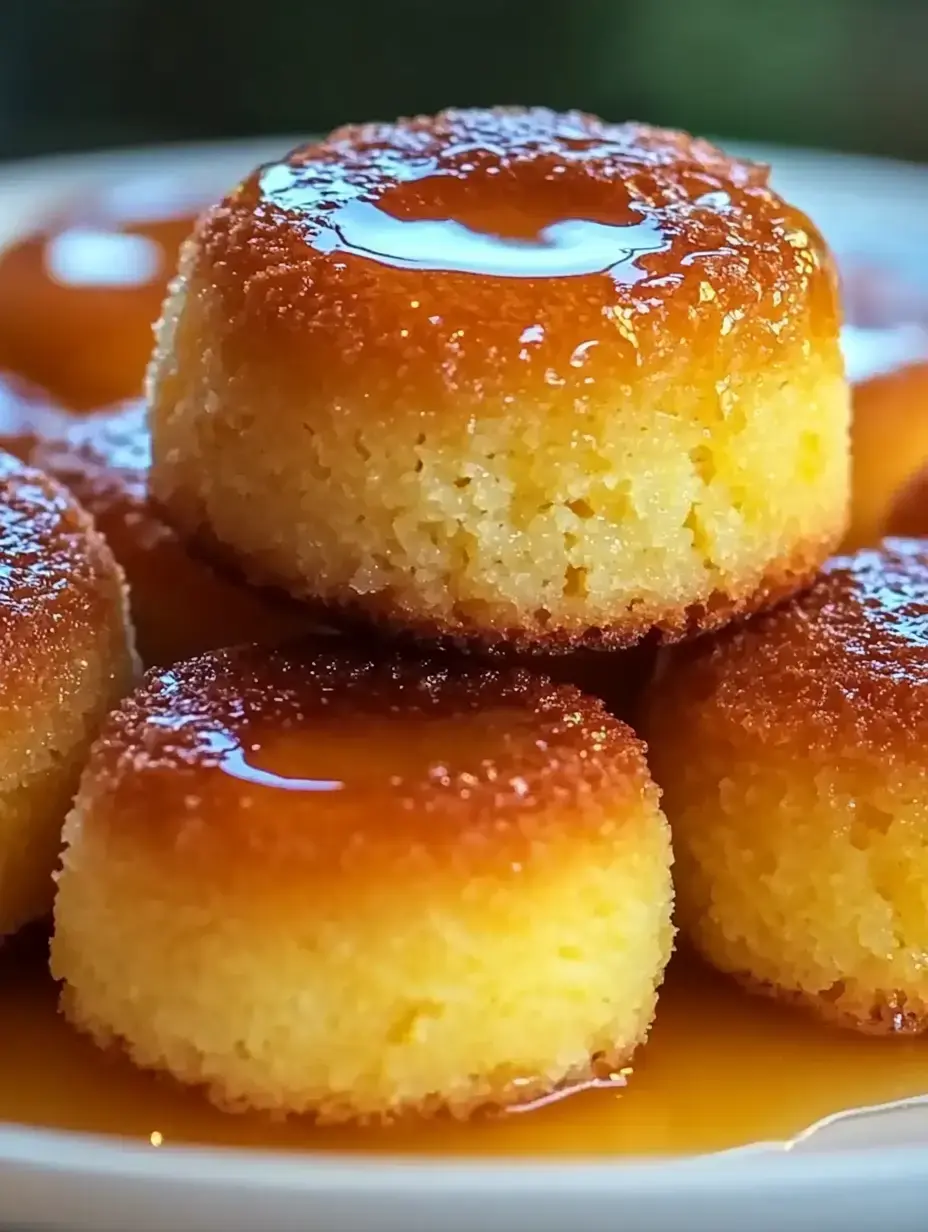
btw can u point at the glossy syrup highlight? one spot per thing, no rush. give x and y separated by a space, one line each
422 225
240 758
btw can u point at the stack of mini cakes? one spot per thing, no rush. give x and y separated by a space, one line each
478 389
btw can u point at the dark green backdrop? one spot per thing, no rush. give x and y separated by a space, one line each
851 74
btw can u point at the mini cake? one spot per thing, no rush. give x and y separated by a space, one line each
67 659
507 378
791 751
356 890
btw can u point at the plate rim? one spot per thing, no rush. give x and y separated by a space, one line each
764 1167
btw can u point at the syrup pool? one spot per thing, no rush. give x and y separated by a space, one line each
721 1069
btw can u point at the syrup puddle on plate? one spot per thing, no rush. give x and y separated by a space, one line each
721 1070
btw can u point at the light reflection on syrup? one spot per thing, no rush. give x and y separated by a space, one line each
555 248
78 297
87 257
615 1083
232 759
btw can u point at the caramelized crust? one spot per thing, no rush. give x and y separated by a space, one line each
57 578
433 763
180 604
723 262
67 658
845 663
104 457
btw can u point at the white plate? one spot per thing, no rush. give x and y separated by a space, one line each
864 1170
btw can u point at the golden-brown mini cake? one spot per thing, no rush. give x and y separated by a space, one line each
79 297
791 751
507 377
889 444
180 604
67 659
358 890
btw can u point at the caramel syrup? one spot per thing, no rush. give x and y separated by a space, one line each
721 1069
497 240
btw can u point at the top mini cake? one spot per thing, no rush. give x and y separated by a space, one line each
507 377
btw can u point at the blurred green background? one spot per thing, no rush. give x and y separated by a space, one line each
76 74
